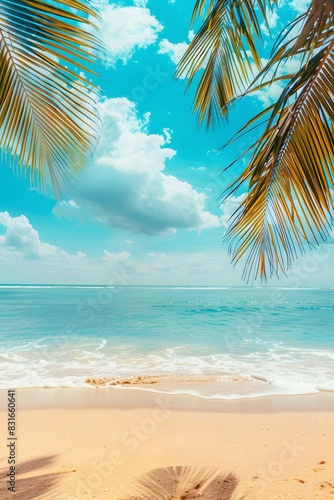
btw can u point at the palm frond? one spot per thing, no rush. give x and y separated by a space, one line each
290 176
317 27
226 48
48 121
313 30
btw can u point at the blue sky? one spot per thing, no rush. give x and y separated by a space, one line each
145 211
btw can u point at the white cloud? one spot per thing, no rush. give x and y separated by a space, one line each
272 18
191 35
27 259
126 29
21 240
175 51
70 205
115 259
271 93
300 6
127 186
67 209
268 94
198 169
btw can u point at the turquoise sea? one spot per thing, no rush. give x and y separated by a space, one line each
283 339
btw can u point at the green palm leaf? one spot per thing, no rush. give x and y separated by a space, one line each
48 122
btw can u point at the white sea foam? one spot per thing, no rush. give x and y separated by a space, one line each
284 347
282 371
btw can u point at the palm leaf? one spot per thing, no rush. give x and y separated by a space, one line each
290 175
226 48
314 30
289 179
48 121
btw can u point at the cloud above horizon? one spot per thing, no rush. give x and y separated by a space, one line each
21 243
25 256
127 186
22 240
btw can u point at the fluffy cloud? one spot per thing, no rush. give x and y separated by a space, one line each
27 259
268 94
115 259
299 6
127 186
272 18
21 240
271 93
126 29
175 51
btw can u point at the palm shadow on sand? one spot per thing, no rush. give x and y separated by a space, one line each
185 483
29 488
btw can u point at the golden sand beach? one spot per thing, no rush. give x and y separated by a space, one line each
127 444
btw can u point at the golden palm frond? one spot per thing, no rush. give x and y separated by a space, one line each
291 173
289 179
225 47
48 121
316 27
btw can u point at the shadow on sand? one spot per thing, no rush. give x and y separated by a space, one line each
185 483
29 488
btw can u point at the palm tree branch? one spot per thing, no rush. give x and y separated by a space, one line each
48 120
316 30
290 172
225 47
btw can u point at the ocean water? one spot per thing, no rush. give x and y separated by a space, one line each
264 340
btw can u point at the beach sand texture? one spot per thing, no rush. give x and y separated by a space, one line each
125 444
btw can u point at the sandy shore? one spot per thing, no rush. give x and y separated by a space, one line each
128 444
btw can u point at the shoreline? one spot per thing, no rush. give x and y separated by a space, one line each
105 392
125 444
118 397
